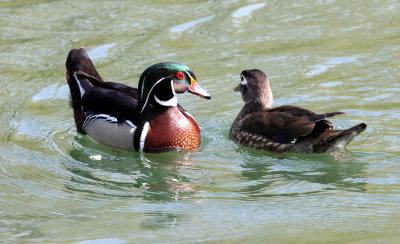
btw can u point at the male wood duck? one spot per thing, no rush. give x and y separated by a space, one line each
147 119
285 128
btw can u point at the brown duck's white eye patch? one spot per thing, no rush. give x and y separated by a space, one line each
243 80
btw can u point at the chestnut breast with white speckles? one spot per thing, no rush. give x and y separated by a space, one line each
173 130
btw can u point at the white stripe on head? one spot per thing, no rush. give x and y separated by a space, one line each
143 135
189 75
82 91
147 98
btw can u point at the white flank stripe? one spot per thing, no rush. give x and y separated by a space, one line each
143 135
107 117
112 119
128 122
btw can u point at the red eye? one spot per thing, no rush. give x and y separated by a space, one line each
179 75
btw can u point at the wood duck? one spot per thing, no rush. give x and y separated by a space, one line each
285 128
147 119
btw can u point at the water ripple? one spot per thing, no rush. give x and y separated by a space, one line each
53 91
330 63
60 186
186 26
244 13
100 51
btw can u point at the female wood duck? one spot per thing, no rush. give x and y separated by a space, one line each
285 128
147 119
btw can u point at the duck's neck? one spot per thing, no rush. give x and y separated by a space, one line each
255 106
249 108
264 99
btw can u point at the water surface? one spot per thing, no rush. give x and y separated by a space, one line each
57 186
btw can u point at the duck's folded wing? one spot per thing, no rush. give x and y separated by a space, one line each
320 119
133 92
293 110
111 102
277 123
96 81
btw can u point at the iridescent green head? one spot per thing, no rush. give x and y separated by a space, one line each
160 82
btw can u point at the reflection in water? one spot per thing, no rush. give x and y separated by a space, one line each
111 172
324 55
159 219
294 174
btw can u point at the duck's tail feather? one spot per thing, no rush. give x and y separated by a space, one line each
78 60
337 139
322 122
79 69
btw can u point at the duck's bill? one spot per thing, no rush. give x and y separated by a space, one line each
196 89
237 89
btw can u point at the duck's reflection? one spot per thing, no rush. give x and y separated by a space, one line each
141 185
294 174
101 170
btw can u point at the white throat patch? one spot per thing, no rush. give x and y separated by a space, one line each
171 102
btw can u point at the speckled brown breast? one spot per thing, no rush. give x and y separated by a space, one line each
174 130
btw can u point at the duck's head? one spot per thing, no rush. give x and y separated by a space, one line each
160 82
254 87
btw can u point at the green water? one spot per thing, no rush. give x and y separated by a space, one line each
57 186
